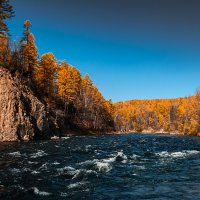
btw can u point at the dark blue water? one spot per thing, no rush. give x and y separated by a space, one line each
132 166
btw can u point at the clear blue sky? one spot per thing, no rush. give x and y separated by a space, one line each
132 49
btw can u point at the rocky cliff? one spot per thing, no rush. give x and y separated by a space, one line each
22 115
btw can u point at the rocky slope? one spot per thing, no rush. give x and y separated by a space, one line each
22 115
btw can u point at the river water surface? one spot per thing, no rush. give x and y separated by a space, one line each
131 166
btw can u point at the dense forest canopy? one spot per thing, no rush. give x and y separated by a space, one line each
163 115
66 93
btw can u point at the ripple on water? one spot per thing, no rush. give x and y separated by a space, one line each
43 166
63 194
15 170
40 193
55 163
15 154
39 153
31 163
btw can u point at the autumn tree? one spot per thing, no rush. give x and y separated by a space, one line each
68 83
29 50
86 89
108 105
44 73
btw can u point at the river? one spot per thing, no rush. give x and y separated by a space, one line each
129 166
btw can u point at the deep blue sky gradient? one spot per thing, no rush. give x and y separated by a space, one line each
132 49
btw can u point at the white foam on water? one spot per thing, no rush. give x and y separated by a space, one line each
39 153
134 156
30 162
178 154
82 172
162 154
122 156
55 163
87 162
40 193
97 152
109 160
15 154
65 169
44 166
87 147
75 173
35 172
191 152
65 138
103 166
20 187
77 185
119 155
25 169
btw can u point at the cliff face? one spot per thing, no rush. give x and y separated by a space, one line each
22 115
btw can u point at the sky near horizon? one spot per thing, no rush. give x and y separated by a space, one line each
132 49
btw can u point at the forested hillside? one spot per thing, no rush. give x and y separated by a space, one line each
181 115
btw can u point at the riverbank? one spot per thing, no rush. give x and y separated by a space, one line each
161 132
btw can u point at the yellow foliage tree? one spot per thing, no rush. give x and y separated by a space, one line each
45 72
68 84
29 50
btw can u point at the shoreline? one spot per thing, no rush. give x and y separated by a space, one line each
75 134
154 132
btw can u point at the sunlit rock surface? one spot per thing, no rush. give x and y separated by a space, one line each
22 115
